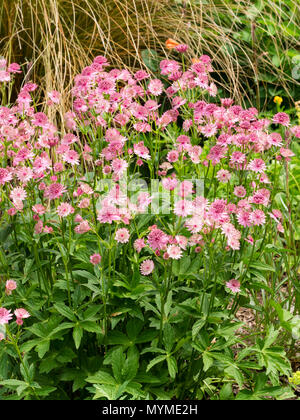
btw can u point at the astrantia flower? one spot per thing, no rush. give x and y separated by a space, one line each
257 165
5 176
71 157
147 267
281 118
139 244
157 239
64 210
119 166
39 209
108 214
240 191
183 208
5 316
10 285
234 285
18 193
95 259
172 156
155 87
257 217
54 96
21 314
83 227
174 252
122 235
54 191
223 175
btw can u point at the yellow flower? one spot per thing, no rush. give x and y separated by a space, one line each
278 100
295 379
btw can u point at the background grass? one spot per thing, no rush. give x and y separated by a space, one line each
254 45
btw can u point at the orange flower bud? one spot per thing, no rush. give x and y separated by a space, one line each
195 60
171 43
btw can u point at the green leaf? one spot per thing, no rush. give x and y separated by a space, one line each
155 361
77 335
172 366
65 311
91 326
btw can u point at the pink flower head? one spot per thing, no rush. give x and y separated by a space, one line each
39 209
286 153
54 96
155 87
174 252
172 156
139 244
257 217
223 175
281 118
5 316
240 191
157 239
64 210
10 285
181 48
83 227
21 314
147 267
122 235
54 191
95 259
257 165
234 285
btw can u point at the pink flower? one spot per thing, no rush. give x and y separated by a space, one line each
281 118
119 166
286 153
155 87
18 193
257 165
139 244
20 315
240 191
172 156
71 157
122 236
169 183
141 150
157 239
223 175
183 208
147 267
5 176
174 252
257 217
5 316
39 209
108 214
95 259
54 191
234 285
10 285
83 227
54 96
64 210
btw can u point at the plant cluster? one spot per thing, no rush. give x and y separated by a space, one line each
132 234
